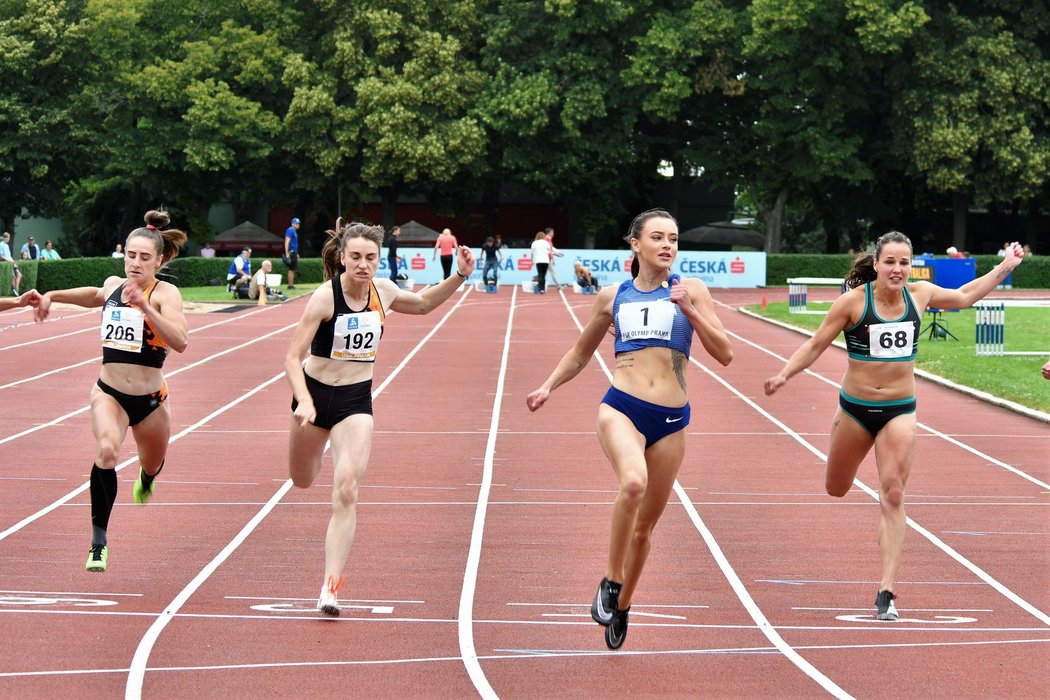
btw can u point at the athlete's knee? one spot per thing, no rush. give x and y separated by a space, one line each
108 453
632 489
302 475
837 489
344 493
892 495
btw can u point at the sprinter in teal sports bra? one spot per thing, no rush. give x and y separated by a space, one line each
878 389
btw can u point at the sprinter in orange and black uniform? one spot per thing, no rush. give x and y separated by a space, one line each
339 334
142 320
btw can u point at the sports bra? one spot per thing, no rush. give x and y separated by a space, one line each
349 335
650 319
127 336
873 339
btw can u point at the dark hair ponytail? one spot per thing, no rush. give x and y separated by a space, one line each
333 247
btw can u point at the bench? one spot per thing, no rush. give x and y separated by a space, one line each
798 288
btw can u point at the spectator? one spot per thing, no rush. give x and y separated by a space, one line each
491 255
118 252
240 272
549 233
49 252
953 252
541 258
584 277
1046 370
448 245
31 248
392 258
5 254
291 251
259 282
207 251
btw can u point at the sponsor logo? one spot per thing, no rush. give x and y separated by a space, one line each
674 420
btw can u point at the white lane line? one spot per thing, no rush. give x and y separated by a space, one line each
470 574
137 672
99 357
937 542
764 625
84 487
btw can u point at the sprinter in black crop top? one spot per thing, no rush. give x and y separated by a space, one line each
880 316
339 335
141 321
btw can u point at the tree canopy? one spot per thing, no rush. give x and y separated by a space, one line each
829 117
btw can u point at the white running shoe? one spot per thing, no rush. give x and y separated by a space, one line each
884 606
328 602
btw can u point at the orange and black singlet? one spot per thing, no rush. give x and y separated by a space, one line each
350 336
127 336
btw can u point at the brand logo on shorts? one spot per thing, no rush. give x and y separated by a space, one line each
674 420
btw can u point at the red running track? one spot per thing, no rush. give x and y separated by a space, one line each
483 528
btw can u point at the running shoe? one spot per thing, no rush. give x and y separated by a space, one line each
605 601
884 607
140 493
328 603
616 632
97 558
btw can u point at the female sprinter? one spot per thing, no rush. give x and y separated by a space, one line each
880 316
339 333
141 320
642 418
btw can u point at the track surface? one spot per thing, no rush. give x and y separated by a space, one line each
483 528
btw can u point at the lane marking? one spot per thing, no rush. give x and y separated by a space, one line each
936 541
467 649
137 672
764 625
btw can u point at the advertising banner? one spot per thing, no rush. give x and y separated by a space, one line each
721 269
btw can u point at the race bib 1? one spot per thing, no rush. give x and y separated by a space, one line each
122 328
355 337
646 320
891 339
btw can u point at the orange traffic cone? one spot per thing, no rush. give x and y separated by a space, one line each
262 296
763 301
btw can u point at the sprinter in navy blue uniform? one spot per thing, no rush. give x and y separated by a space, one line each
142 320
643 416
880 315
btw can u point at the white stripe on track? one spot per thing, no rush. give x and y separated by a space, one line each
137 672
84 487
470 575
180 370
937 542
50 337
731 576
99 357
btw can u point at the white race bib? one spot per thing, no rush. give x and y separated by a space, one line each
122 328
891 339
646 320
355 337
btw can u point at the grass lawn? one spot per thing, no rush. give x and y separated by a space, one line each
219 295
1013 377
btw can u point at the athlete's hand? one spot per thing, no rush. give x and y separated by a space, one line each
466 260
43 308
680 296
537 399
135 297
305 413
774 383
30 298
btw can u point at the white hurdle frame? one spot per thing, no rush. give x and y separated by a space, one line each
990 340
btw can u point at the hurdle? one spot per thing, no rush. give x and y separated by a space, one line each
798 292
990 330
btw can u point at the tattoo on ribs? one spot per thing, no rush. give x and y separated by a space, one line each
625 361
678 363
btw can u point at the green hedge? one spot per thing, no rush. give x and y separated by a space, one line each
1033 273
182 272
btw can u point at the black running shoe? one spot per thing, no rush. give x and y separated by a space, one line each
884 607
616 632
605 602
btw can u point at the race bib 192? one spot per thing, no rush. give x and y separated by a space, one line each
355 337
